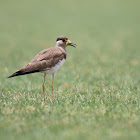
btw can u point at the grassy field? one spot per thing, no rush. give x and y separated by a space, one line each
96 91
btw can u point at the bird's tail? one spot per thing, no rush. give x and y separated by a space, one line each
18 73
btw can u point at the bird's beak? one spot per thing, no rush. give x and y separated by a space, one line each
69 43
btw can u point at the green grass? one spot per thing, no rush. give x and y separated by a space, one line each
96 91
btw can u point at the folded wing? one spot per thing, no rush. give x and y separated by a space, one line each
43 60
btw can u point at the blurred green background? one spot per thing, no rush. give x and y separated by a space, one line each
97 92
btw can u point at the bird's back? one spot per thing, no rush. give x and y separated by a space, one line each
44 60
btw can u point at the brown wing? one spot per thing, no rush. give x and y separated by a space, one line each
43 60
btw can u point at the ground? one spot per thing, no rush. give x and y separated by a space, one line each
96 91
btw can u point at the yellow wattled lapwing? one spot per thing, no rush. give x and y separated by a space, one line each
47 61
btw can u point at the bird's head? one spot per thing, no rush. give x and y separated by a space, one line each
64 41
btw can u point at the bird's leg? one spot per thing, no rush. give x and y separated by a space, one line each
43 88
52 86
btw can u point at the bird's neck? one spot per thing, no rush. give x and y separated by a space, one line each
62 48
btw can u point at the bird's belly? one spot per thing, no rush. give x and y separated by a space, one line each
54 68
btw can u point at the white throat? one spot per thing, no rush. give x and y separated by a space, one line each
59 42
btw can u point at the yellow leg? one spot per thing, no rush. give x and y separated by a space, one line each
43 88
52 86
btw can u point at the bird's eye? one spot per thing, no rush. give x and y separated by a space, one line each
63 40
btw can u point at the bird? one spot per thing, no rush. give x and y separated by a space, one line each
48 61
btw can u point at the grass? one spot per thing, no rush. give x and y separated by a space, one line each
97 90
